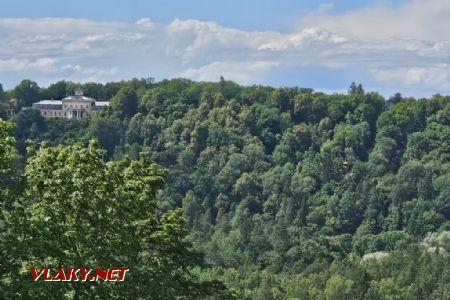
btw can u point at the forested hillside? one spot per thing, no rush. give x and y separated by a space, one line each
288 192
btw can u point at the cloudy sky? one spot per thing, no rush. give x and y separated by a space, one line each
388 46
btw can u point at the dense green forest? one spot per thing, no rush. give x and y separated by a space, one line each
288 193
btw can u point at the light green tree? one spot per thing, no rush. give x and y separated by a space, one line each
79 211
7 157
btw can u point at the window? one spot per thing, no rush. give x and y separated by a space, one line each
44 113
70 105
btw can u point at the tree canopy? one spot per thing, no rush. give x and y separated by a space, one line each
288 192
77 210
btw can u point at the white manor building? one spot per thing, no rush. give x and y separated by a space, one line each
72 107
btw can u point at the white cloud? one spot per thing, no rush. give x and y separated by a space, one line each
417 19
244 72
303 39
438 75
24 65
97 74
405 46
145 22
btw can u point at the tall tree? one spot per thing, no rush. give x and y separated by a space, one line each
2 93
107 131
79 211
26 93
56 90
355 89
125 102
7 155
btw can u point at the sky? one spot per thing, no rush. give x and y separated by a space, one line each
388 46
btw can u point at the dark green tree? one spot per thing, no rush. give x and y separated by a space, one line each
125 102
26 93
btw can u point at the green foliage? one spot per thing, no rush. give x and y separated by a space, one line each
107 131
78 210
58 90
6 147
125 102
29 125
287 190
26 93
7 159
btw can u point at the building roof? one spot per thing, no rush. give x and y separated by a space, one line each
78 98
49 102
101 103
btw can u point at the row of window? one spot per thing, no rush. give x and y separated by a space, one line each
56 114
76 106
53 113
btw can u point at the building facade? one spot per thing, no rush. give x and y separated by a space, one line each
75 107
